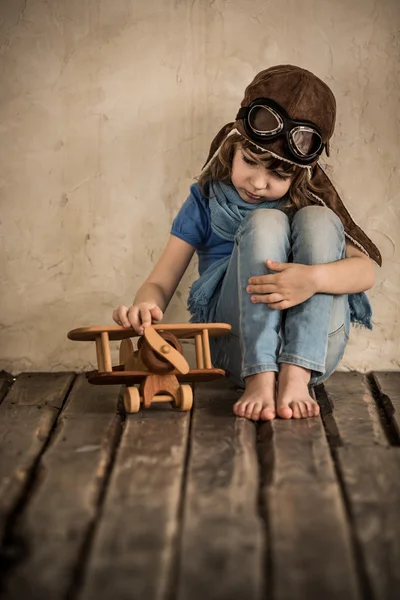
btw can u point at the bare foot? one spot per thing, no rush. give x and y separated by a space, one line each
294 400
258 400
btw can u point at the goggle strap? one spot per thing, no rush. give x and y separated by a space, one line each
243 112
234 130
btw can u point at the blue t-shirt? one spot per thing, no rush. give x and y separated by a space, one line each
193 225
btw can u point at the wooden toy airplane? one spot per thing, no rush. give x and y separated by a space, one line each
158 366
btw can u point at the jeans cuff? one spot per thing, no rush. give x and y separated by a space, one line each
259 369
301 362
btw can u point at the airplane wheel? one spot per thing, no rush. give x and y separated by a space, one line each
131 400
185 397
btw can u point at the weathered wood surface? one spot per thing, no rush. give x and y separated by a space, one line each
27 415
371 479
222 554
170 505
310 545
64 502
355 416
369 469
134 551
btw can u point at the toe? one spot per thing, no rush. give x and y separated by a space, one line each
255 415
316 410
285 412
310 409
251 407
240 408
303 410
267 413
313 406
296 410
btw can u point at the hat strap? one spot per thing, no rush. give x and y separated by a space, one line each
232 131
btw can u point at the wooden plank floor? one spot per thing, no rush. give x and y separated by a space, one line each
165 505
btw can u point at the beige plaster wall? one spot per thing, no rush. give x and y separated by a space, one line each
106 113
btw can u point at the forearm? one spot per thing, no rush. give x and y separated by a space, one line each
346 276
152 292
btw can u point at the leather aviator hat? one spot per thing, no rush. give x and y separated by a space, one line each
290 113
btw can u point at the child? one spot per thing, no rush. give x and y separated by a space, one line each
280 258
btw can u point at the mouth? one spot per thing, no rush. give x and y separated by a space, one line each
252 196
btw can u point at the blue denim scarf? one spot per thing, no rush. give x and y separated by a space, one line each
227 211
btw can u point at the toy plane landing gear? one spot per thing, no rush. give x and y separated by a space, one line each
158 365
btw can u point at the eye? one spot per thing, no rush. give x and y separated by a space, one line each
281 176
249 161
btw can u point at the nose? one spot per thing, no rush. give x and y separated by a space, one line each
260 179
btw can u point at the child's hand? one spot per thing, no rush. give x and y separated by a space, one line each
291 284
138 316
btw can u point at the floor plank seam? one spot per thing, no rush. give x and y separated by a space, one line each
78 575
265 460
334 442
386 411
330 427
8 382
174 571
13 548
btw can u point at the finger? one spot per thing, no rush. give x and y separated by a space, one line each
267 298
116 318
122 313
261 289
145 317
274 265
156 313
274 298
133 316
259 299
280 305
262 279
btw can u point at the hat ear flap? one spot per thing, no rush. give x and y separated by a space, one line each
217 141
327 148
329 197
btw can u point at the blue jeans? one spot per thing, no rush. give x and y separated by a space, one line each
313 334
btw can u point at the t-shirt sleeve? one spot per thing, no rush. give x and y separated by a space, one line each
192 222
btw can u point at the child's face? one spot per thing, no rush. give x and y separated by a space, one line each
253 182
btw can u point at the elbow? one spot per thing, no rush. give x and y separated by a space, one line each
370 276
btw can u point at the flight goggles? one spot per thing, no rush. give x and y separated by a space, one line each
265 120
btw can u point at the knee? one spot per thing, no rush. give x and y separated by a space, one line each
317 218
265 220
318 235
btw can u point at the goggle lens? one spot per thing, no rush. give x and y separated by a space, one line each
306 141
263 120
